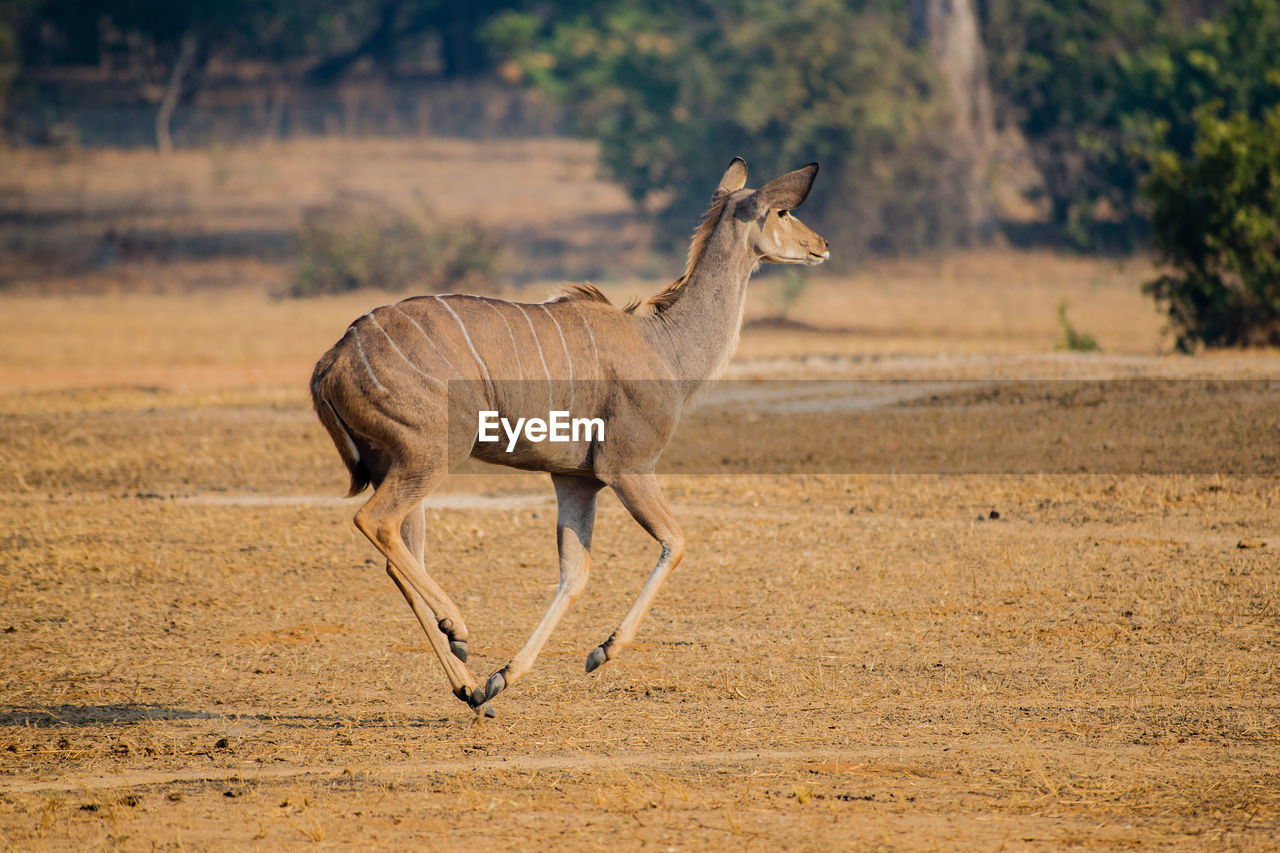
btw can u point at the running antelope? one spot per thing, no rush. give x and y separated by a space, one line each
401 395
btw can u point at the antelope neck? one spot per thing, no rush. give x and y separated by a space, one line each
697 335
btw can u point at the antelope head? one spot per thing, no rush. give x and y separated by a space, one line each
775 234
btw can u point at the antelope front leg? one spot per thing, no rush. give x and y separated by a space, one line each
643 498
575 518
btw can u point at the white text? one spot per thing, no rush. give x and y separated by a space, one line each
557 427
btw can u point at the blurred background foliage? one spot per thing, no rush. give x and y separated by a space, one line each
919 110
668 93
1098 87
1216 224
353 243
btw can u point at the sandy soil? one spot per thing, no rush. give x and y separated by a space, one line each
200 651
1052 651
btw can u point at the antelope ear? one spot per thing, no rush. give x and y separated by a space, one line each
787 191
734 178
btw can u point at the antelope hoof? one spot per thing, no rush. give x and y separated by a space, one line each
459 649
598 656
487 711
477 698
497 683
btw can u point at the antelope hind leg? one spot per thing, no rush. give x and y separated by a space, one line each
414 532
383 519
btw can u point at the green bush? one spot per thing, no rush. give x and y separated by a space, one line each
1073 340
672 91
354 243
1098 86
1216 224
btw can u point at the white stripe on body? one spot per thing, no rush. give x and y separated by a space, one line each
415 367
479 360
360 349
590 335
511 334
439 351
568 359
551 404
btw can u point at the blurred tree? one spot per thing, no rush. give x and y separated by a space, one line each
11 14
672 92
331 36
1063 72
172 45
392 25
950 28
1097 85
902 124
1216 223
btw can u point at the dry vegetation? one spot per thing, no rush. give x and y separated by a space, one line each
197 651
226 217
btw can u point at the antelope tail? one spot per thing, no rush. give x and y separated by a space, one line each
342 439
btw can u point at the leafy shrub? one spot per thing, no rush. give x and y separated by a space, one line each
672 91
1073 340
1098 86
1216 222
356 243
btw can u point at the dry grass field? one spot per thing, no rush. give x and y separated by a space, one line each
198 651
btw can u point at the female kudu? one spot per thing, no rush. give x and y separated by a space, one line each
401 392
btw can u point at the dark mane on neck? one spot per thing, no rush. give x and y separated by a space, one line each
587 292
666 297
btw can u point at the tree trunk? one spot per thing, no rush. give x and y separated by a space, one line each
172 94
381 44
950 28
275 110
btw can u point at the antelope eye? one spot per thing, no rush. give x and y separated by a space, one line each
782 213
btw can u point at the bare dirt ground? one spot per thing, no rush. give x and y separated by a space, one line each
198 651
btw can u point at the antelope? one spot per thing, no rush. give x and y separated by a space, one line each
402 392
